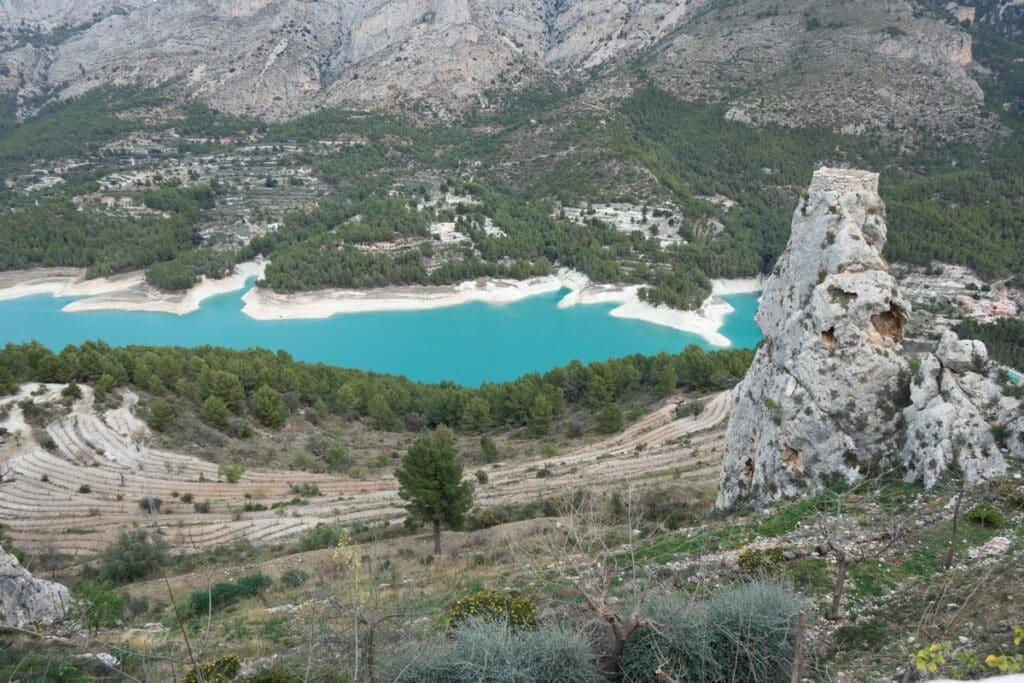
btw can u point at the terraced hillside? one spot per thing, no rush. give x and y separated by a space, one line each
75 497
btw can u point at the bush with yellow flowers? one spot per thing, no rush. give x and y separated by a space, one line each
759 560
218 670
962 662
516 609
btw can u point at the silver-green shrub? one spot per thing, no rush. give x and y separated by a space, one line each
741 634
490 651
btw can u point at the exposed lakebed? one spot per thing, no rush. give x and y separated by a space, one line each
468 344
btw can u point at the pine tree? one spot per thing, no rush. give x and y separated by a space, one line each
541 416
215 413
268 407
430 480
476 416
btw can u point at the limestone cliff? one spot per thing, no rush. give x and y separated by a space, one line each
830 394
26 601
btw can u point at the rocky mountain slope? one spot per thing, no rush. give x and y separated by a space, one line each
860 66
831 394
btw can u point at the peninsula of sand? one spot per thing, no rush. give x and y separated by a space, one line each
129 292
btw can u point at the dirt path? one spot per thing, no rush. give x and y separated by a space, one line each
77 498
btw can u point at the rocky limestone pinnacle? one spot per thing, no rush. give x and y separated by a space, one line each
26 601
830 394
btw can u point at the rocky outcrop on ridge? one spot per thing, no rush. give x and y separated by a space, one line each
830 395
27 601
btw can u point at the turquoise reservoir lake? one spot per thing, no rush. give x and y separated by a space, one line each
468 344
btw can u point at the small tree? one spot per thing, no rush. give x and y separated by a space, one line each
161 415
132 556
231 472
430 481
268 407
215 413
489 449
476 416
609 419
99 605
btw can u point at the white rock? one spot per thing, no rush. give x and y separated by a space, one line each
830 394
27 601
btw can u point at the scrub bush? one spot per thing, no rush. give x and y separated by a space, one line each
515 609
745 633
490 651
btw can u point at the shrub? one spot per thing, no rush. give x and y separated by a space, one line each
691 408
132 556
987 515
749 628
306 488
231 473
202 508
85 488
481 477
301 460
321 536
492 652
279 672
187 498
229 592
99 604
293 578
150 504
71 391
488 449
515 609
758 560
216 671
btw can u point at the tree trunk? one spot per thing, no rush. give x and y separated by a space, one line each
437 538
956 529
837 594
798 649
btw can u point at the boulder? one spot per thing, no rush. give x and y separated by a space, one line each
26 601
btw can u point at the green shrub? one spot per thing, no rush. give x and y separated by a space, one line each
216 671
99 604
750 628
132 556
481 477
321 536
202 508
759 560
232 473
490 651
150 504
515 609
987 515
305 488
279 672
229 592
293 578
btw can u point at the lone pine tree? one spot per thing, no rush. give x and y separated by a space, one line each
431 483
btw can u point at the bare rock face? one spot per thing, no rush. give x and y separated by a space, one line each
830 394
26 601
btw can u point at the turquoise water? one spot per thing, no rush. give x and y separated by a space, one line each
468 344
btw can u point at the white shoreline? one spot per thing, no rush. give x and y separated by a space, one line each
264 304
127 292
130 292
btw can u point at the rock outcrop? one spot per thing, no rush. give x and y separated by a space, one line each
26 601
830 395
